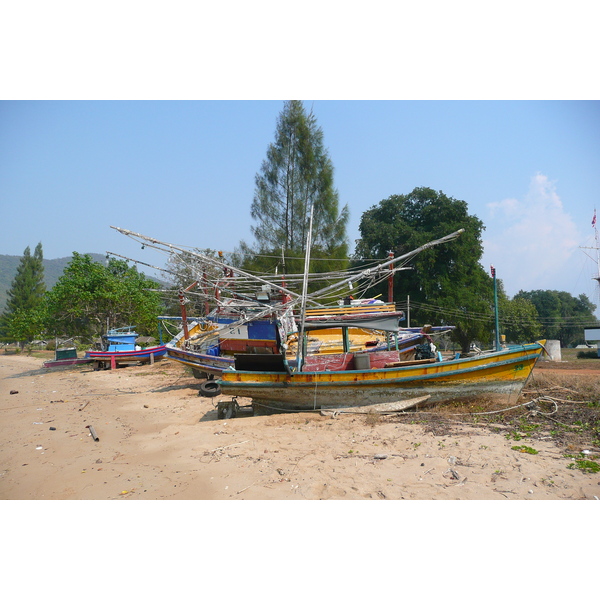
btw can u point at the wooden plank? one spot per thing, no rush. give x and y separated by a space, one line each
340 310
386 407
410 363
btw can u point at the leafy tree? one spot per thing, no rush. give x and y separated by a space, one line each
447 284
562 316
468 306
296 175
26 324
518 318
25 295
90 298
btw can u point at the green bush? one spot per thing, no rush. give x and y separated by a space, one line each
588 354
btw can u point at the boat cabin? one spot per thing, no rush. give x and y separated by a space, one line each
120 340
65 353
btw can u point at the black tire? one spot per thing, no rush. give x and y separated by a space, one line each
210 388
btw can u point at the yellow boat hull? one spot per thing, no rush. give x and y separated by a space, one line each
496 375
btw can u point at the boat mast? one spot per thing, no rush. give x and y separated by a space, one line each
496 308
300 350
597 278
391 280
182 301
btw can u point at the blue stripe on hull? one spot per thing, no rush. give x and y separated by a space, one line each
372 382
157 351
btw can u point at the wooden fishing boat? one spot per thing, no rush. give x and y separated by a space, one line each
348 379
212 343
377 375
129 356
66 357
204 360
339 381
208 345
119 347
269 298
380 376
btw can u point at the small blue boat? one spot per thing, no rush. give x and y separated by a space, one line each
119 346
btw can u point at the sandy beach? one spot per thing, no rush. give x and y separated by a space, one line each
157 439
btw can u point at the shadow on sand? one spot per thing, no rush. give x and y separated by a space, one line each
226 407
31 373
174 388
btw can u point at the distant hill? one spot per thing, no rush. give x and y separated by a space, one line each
53 269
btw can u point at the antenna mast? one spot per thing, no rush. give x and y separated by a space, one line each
597 249
597 278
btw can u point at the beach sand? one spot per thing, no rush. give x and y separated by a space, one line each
159 440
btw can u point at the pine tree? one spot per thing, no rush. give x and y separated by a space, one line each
297 175
26 293
28 287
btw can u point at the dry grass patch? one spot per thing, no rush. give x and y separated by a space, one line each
562 407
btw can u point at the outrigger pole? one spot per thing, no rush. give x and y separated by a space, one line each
151 242
390 262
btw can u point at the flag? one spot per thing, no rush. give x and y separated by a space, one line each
594 219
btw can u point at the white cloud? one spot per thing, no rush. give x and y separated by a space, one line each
531 241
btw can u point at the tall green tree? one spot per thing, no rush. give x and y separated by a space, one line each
25 296
90 298
28 287
295 177
562 316
446 284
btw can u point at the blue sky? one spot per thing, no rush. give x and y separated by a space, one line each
183 172
157 121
